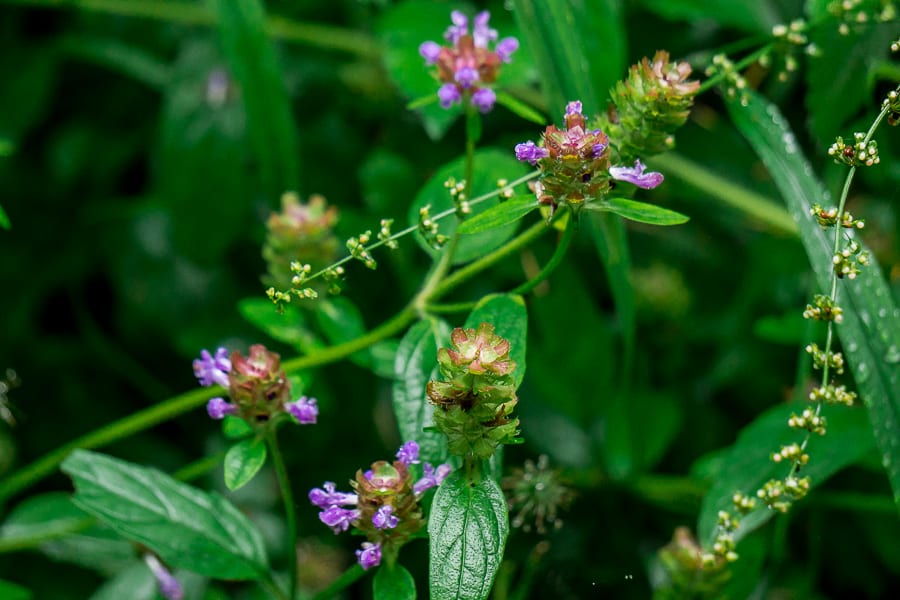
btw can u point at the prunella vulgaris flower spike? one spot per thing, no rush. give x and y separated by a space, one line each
468 66
477 395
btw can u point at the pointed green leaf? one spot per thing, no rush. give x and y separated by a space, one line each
467 534
235 428
489 166
188 528
753 16
639 211
507 313
243 461
415 365
270 123
500 215
39 518
870 331
393 583
518 107
748 464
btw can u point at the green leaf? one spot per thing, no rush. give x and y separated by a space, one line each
507 313
521 109
134 583
289 327
499 215
748 465
415 365
467 533
243 461
639 211
753 16
393 583
41 517
235 428
341 321
4 220
188 528
12 591
251 57
489 166
870 331
568 40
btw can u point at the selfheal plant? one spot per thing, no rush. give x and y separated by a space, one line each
385 506
469 66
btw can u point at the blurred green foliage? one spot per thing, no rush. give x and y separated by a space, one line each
143 148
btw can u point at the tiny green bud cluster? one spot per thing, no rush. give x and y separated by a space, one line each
847 262
821 358
792 453
457 191
690 571
832 394
384 234
506 191
829 217
734 83
809 420
357 248
860 12
892 100
780 494
478 393
428 228
860 153
724 545
824 308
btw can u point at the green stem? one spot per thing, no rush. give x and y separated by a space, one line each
190 13
738 66
347 578
555 260
287 496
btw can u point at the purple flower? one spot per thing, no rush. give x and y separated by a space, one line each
218 408
369 556
466 76
637 176
384 518
369 474
598 149
449 95
432 478
212 369
482 33
430 52
459 28
329 497
506 47
531 152
483 99
169 587
573 108
338 518
408 453
304 410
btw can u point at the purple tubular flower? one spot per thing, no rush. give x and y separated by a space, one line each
338 518
483 99
328 497
218 408
430 52
304 410
384 518
432 478
531 152
448 95
598 149
459 28
637 176
369 556
573 108
212 369
169 587
408 453
506 47
482 33
466 76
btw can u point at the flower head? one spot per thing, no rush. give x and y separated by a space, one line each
369 555
637 175
212 369
408 453
468 66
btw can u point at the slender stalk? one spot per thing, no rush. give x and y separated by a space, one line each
290 511
555 260
347 578
738 66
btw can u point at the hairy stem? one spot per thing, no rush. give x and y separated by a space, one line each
287 495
